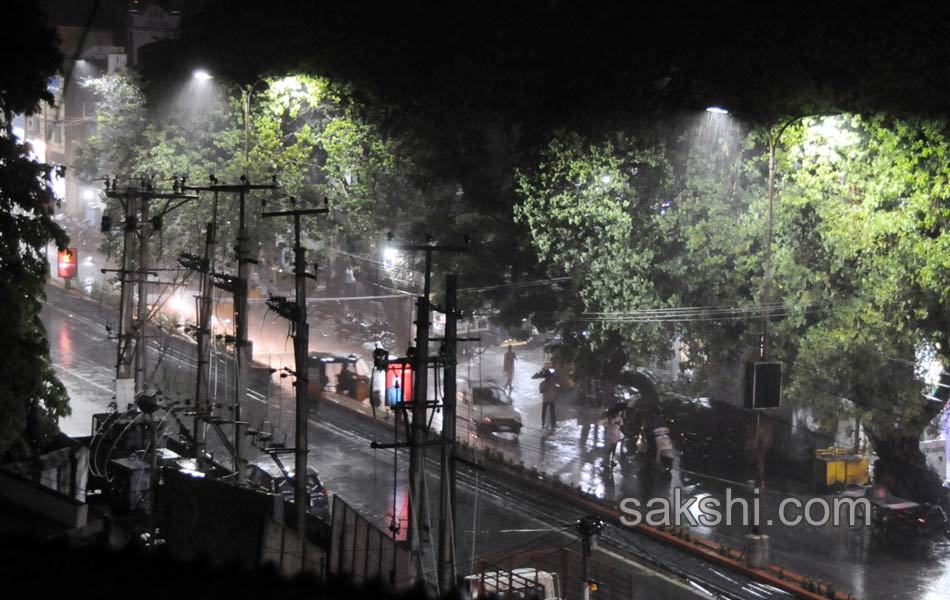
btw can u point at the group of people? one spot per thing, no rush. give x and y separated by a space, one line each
652 438
653 443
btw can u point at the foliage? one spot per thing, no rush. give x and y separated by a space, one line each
300 129
32 57
590 211
860 264
31 397
120 126
862 238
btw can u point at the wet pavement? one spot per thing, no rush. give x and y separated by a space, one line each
490 519
852 560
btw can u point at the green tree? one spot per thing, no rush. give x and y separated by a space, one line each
31 397
860 239
303 130
859 257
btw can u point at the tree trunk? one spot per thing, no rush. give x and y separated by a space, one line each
902 468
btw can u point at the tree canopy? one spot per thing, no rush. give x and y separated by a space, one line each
31 397
859 255
570 143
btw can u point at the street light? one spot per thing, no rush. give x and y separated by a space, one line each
203 75
717 110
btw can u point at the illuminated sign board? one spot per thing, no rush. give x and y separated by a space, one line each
68 260
398 384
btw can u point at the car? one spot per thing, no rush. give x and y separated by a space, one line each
272 479
489 407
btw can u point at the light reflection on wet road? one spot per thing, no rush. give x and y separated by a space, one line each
851 560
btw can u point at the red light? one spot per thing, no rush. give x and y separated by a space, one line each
921 520
67 259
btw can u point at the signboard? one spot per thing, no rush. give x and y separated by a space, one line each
398 384
763 385
67 262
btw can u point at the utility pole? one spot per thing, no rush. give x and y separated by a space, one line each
242 346
589 528
296 312
417 533
203 337
123 363
141 318
130 381
205 268
446 558
131 364
239 288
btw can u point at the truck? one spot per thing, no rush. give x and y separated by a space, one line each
518 584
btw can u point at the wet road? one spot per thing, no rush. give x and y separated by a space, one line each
493 519
505 519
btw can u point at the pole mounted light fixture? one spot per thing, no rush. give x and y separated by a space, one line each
201 75
717 110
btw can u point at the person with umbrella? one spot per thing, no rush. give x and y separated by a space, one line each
549 390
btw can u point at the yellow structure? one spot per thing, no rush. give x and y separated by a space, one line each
840 466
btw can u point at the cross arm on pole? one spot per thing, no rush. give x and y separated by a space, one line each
299 211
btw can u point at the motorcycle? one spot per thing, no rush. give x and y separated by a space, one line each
659 454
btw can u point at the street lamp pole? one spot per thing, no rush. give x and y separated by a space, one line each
246 102
247 110
774 139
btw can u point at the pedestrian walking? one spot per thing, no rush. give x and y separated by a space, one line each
550 390
509 368
614 435
394 394
349 281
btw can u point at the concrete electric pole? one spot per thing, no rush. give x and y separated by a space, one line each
589 528
296 312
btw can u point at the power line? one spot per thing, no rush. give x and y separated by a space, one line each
515 285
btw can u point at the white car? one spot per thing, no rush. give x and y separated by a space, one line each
489 407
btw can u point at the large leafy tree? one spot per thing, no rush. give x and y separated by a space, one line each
31 397
859 257
862 243
592 211
298 130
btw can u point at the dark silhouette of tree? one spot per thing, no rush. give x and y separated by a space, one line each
31 397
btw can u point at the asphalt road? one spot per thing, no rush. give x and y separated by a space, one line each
493 518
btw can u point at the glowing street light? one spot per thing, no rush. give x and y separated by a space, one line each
717 110
390 256
202 75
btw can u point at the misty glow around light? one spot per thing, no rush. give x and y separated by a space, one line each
825 137
390 255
